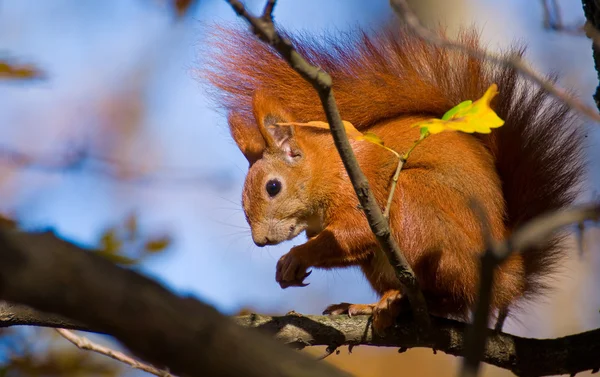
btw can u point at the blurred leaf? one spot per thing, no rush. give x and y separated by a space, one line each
110 243
16 71
118 258
157 244
183 6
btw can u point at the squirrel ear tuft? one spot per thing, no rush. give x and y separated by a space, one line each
268 113
247 136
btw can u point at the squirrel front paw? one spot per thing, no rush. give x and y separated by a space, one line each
291 271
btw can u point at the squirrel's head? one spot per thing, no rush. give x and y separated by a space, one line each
276 196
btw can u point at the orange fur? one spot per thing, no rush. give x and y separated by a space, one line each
384 82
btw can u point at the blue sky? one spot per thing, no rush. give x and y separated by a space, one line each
91 50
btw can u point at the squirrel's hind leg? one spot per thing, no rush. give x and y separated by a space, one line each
350 309
384 313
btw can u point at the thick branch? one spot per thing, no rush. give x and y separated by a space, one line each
183 334
321 81
522 356
20 315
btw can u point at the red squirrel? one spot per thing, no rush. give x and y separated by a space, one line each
385 81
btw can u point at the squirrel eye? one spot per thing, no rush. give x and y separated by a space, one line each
273 187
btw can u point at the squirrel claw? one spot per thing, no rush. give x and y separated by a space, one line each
291 272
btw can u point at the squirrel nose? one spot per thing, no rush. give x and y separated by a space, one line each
264 241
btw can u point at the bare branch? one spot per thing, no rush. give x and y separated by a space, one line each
191 338
55 276
20 315
403 11
522 356
86 344
268 11
521 240
322 82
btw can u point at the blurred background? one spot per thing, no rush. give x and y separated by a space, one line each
107 138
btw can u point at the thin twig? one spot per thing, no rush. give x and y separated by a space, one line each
557 15
86 344
521 240
268 11
546 10
404 12
322 83
401 161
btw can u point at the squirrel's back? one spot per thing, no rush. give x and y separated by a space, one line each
390 73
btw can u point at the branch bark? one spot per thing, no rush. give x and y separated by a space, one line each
187 336
522 356
265 29
56 276
20 315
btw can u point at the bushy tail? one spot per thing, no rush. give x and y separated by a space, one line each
539 157
391 72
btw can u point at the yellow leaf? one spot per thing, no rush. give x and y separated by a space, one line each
22 71
157 244
467 117
117 258
351 131
371 137
110 242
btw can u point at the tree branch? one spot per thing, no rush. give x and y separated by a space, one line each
20 315
522 356
183 334
265 29
524 238
53 275
404 12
